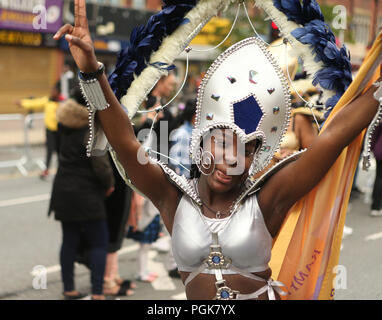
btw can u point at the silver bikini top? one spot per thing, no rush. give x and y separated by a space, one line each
239 244
243 237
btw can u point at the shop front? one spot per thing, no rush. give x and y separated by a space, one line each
110 28
30 60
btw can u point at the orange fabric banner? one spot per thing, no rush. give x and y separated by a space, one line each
307 249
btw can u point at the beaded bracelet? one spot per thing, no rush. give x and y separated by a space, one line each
95 100
93 94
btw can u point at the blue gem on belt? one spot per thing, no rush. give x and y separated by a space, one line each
216 259
224 294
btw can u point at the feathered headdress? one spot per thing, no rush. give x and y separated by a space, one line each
154 47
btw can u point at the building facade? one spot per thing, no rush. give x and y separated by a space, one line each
151 5
364 18
30 60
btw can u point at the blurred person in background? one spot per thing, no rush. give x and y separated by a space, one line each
180 159
302 128
163 90
67 82
179 152
49 105
144 227
118 208
77 201
161 93
144 222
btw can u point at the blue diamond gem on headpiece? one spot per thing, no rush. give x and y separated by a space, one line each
252 75
216 259
224 294
231 79
210 116
215 97
247 114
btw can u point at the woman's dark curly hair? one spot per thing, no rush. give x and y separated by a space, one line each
194 172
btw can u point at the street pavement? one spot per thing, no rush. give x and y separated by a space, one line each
30 239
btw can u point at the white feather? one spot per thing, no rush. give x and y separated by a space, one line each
300 50
171 47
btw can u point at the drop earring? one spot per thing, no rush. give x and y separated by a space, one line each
205 160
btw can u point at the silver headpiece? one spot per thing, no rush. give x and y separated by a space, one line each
246 91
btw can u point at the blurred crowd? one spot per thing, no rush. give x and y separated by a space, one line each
95 207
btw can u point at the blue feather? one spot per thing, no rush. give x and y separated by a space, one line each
185 21
162 66
331 103
311 11
327 77
291 8
144 40
331 51
336 73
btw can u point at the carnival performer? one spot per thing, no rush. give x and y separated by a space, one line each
302 128
222 225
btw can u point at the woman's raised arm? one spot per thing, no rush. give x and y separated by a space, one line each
148 177
298 178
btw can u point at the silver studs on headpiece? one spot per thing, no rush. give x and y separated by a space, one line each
252 75
219 105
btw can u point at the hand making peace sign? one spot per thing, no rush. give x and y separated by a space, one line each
79 39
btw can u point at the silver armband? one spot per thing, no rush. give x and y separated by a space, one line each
95 99
97 144
93 94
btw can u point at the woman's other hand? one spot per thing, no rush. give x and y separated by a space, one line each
79 39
